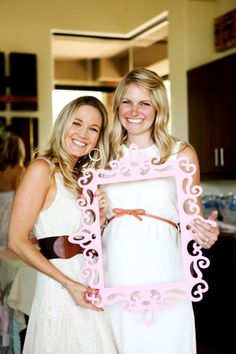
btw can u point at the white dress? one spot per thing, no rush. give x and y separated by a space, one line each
56 324
145 252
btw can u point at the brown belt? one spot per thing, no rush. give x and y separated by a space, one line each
138 213
59 247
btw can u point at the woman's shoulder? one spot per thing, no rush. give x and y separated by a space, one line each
186 150
45 161
37 177
39 167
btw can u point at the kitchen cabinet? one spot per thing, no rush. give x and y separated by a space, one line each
215 314
212 116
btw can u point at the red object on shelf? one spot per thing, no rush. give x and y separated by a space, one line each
13 99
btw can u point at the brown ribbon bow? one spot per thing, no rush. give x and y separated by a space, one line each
135 212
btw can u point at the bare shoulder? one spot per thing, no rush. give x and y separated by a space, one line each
38 170
188 152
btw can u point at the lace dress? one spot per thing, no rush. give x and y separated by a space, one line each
6 201
56 324
145 252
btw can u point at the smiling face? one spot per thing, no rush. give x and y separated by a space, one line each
137 115
84 133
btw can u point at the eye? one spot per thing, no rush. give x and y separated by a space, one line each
94 129
145 104
125 101
77 123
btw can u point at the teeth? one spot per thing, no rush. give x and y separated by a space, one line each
135 120
79 143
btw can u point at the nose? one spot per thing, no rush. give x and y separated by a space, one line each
83 132
134 110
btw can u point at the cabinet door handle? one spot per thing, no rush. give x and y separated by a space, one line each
222 162
216 157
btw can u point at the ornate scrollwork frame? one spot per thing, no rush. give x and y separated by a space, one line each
146 298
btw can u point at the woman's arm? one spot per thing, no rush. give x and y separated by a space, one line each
205 233
30 198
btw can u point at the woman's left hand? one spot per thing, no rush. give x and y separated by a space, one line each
206 233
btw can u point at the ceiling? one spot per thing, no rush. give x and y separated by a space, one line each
105 52
91 46
88 48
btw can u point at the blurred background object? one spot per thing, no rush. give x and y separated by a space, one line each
12 157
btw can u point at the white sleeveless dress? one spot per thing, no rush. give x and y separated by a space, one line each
56 324
145 252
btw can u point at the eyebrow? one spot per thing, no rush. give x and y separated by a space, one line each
130 99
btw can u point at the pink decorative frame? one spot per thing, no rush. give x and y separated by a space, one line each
146 298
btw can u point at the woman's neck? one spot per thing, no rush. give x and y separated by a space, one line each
141 142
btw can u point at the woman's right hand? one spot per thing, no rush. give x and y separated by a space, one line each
80 294
103 204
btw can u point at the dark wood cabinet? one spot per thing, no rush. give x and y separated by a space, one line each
212 116
215 314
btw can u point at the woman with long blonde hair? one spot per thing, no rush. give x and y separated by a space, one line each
146 249
62 318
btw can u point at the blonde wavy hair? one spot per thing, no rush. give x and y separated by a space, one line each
57 152
154 84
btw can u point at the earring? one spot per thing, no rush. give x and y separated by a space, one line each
99 155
